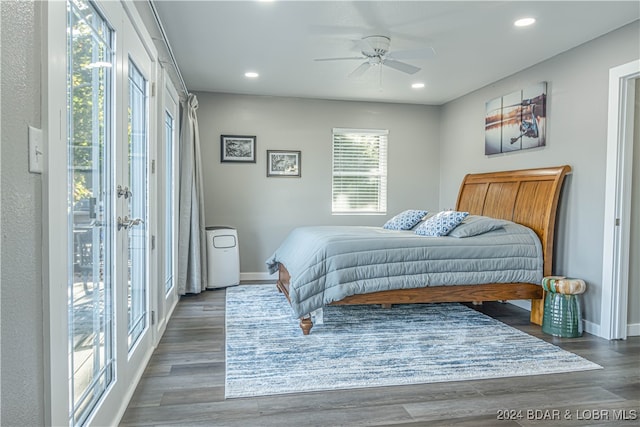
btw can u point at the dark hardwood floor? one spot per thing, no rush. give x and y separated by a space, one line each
184 386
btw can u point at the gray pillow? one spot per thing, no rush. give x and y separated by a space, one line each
476 224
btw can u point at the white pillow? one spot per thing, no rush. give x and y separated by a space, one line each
405 220
441 223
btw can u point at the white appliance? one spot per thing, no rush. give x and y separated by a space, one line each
223 258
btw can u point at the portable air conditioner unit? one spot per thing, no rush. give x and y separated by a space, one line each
223 259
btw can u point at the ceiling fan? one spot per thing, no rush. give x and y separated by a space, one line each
375 52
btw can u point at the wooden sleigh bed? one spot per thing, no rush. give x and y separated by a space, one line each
528 197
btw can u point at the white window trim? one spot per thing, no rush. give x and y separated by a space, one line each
382 195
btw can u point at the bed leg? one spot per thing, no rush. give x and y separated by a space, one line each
306 324
537 311
476 302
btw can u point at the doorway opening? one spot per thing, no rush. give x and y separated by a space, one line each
617 218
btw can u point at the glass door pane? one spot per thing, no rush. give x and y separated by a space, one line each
138 186
91 239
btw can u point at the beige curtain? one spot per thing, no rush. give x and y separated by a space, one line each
192 242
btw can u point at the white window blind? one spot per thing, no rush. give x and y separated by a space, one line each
359 183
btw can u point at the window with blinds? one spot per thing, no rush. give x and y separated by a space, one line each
359 182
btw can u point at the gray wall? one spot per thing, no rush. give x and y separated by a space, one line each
265 209
578 87
21 319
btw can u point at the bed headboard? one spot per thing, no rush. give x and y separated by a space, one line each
528 197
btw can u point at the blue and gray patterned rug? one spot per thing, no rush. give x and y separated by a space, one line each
368 346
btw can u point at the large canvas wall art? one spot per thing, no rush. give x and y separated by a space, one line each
516 121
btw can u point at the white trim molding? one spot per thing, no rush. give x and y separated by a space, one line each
54 208
262 275
615 263
633 329
522 303
591 328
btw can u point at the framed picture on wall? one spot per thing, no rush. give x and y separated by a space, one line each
237 148
284 163
516 121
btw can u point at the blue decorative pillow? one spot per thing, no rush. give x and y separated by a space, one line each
441 223
405 220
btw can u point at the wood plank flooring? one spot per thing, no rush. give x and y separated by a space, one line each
183 385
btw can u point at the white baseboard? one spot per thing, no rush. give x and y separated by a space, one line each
258 276
633 329
591 328
588 327
522 303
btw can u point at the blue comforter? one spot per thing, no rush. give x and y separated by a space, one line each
329 263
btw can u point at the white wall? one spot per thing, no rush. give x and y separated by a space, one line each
577 95
22 394
265 209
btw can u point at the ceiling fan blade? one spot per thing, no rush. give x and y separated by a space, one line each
340 59
360 70
401 66
424 53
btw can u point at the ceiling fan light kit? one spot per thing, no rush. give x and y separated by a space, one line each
375 46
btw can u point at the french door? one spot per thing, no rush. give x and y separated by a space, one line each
109 118
132 190
168 155
91 244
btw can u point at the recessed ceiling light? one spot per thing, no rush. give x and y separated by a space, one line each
417 85
251 74
524 22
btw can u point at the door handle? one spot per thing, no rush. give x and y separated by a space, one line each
126 222
136 221
123 191
123 223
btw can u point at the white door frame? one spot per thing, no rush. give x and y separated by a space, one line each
165 302
617 215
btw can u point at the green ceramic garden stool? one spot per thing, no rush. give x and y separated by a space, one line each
562 315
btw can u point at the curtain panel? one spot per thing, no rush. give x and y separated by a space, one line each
192 249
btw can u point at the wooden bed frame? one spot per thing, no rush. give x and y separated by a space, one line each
528 197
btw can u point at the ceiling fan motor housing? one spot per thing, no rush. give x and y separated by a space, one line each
379 44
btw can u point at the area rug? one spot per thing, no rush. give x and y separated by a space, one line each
370 346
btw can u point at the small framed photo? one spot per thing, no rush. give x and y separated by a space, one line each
283 163
236 148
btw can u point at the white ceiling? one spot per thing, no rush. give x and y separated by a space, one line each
216 42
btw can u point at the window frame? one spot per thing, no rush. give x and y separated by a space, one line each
379 140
